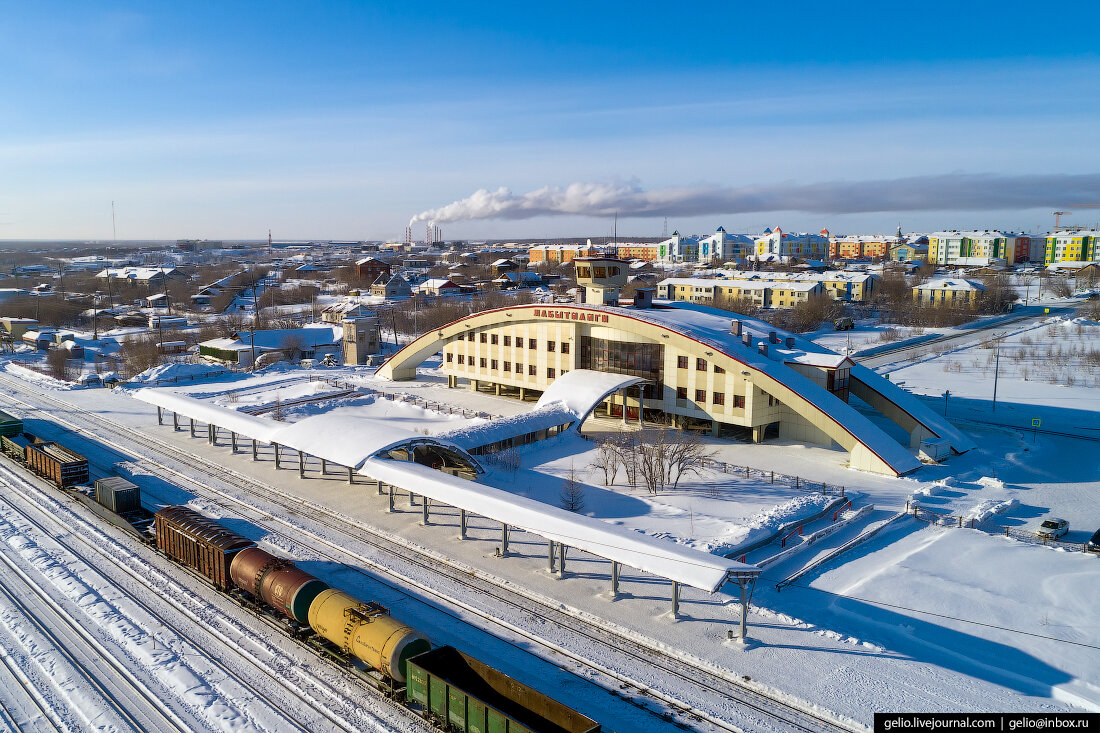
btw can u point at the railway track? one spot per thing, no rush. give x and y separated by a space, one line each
117 690
153 580
629 652
46 716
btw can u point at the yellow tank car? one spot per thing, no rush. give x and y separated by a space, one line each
366 631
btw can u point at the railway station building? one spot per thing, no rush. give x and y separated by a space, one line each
699 368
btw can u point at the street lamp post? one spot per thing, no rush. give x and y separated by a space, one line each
996 370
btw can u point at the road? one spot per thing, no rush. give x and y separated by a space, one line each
980 333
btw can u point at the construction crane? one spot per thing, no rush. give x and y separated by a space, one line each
1059 214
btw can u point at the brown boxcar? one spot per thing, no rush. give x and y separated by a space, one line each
468 695
57 463
199 543
279 582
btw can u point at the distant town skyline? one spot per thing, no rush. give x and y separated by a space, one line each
346 120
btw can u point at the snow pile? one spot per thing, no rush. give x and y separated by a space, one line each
983 510
991 483
764 523
176 372
32 376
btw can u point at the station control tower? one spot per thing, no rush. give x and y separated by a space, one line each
602 278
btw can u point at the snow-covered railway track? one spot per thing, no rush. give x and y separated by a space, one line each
22 705
322 707
650 667
129 701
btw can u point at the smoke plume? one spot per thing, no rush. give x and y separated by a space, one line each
949 192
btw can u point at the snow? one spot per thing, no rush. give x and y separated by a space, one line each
177 372
664 559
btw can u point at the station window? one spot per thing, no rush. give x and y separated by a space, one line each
532 343
719 398
450 357
484 338
551 373
700 365
700 395
551 345
565 347
494 365
519 368
681 362
482 363
519 342
719 370
461 358
681 393
507 366
507 340
531 370
493 339
739 401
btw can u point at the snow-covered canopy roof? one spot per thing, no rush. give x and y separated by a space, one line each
660 557
345 440
582 389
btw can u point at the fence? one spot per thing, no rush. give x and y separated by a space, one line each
797 482
1033 538
945 519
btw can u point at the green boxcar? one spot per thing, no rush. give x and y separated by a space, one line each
471 696
10 425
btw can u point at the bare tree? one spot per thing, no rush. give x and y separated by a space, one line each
572 493
651 460
607 460
277 412
685 452
626 448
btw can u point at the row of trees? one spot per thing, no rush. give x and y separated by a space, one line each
657 458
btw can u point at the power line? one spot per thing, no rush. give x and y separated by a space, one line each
938 615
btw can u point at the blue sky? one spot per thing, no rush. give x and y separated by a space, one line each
344 120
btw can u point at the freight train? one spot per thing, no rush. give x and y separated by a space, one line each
448 687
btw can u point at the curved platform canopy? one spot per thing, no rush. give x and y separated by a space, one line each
612 542
345 440
582 390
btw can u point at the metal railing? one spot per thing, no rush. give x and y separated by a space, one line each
799 483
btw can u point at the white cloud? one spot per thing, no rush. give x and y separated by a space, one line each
949 192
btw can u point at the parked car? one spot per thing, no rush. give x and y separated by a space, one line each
844 324
1093 545
1053 528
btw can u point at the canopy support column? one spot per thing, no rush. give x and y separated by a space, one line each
550 555
504 540
160 417
301 464
255 457
744 583
412 498
175 421
622 393
614 578
381 490
324 467
425 520
276 445
233 440
351 477
561 559
462 524
390 509
192 427
675 599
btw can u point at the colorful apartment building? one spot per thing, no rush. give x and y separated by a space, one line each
638 251
1072 246
784 245
968 247
559 253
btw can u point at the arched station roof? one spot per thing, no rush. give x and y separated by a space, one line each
701 330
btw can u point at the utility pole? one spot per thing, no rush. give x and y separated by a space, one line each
252 327
95 320
996 370
164 289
